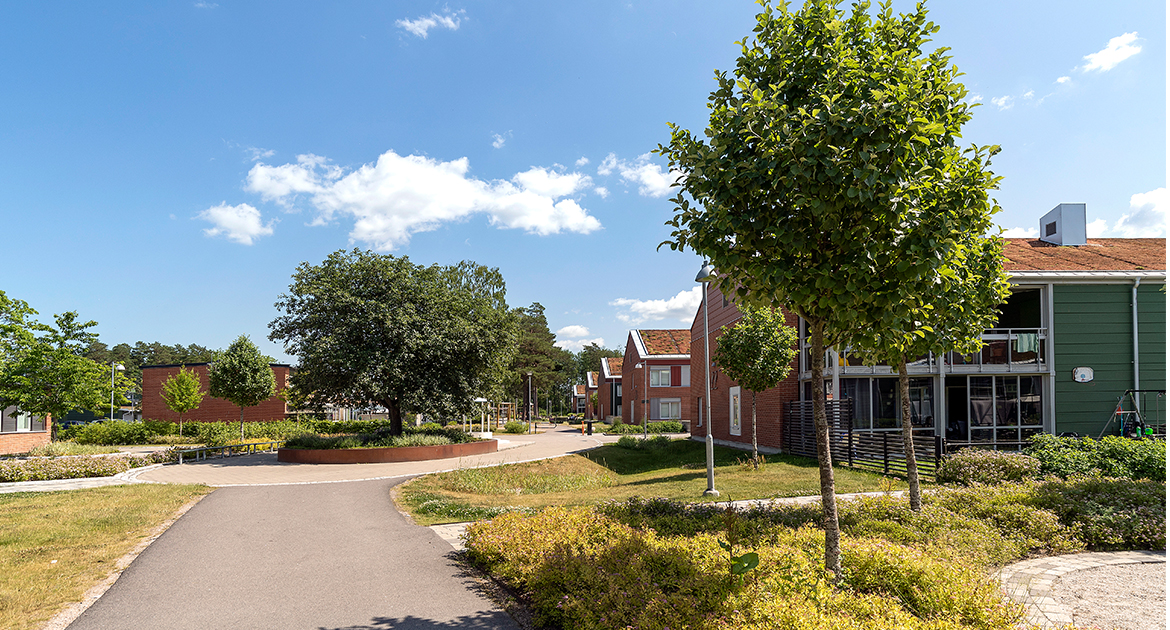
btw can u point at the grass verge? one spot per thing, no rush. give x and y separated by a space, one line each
676 471
54 546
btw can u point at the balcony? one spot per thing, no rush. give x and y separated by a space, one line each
1004 350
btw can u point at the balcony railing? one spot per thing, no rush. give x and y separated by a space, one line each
1005 349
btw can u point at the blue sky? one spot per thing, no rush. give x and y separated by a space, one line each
167 165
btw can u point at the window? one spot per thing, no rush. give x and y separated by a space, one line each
877 405
669 408
736 427
1002 409
660 376
12 420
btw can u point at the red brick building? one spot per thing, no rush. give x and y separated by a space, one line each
731 405
590 391
212 409
656 371
609 389
20 432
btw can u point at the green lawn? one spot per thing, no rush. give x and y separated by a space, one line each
54 546
677 471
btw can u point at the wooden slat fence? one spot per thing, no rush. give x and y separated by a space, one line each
876 451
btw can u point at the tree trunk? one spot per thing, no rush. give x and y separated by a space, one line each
180 426
755 449
824 457
241 423
908 437
395 414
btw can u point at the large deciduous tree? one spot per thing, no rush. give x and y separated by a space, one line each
948 313
242 376
830 170
182 392
757 352
42 367
589 359
552 368
372 329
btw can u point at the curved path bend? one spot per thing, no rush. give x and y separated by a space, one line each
287 546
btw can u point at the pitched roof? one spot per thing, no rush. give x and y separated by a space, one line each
1100 254
579 390
591 380
613 366
676 341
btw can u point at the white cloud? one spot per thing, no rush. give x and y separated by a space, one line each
651 181
1063 79
575 345
1147 218
421 25
581 161
258 153
975 98
205 5
398 196
1116 51
1029 94
573 331
237 223
601 191
1096 229
1002 102
1019 232
498 141
681 307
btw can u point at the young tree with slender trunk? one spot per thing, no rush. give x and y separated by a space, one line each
947 314
242 376
182 392
830 168
757 352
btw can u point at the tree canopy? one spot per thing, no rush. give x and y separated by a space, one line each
757 352
182 392
553 369
42 367
589 359
242 376
831 171
372 329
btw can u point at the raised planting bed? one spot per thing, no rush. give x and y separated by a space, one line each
382 455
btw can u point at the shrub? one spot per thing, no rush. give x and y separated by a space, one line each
74 467
1111 456
317 441
58 449
665 426
515 427
1108 513
973 465
627 441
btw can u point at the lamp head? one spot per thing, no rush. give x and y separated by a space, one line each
119 367
706 274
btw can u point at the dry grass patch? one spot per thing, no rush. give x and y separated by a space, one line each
677 471
54 546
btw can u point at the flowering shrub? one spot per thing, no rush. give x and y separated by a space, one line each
664 426
1111 456
973 465
582 569
74 467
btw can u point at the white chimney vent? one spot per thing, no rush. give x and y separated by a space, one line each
1064 225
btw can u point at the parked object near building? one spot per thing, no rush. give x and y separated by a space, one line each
211 409
656 374
609 389
1085 323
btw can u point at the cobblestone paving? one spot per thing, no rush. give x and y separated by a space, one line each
1031 582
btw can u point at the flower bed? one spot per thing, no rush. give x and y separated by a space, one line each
382 455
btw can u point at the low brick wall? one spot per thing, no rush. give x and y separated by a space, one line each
383 455
23 442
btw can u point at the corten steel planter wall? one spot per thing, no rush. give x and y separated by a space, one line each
383 455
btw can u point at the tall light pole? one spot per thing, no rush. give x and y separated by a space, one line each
528 407
114 368
645 367
705 275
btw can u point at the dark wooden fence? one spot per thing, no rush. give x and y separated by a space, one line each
877 451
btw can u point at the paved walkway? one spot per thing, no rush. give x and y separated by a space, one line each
1031 582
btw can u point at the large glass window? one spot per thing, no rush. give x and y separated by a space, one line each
876 403
660 376
1003 408
857 390
885 403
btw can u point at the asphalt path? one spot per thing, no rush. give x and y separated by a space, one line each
318 556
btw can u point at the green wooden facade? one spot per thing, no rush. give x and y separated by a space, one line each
1093 327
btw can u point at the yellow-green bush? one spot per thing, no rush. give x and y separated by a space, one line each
580 569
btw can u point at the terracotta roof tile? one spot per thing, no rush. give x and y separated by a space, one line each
591 380
580 389
615 365
1101 254
666 341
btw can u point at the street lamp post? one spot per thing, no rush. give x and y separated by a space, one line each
705 275
528 407
114 368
